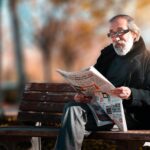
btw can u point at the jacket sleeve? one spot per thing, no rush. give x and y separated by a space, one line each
141 97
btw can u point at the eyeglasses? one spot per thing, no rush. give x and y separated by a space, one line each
118 33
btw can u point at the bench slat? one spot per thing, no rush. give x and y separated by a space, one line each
141 135
53 132
42 107
52 87
29 131
51 119
48 97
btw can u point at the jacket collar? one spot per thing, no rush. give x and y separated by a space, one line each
138 47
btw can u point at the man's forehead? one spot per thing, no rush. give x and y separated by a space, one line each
119 23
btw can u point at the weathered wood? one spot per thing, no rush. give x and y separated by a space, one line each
44 102
29 131
42 106
47 96
49 87
53 132
143 135
40 117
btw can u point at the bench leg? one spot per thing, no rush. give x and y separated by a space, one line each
36 143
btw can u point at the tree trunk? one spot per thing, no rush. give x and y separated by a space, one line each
17 46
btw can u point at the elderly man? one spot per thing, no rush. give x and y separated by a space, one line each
125 63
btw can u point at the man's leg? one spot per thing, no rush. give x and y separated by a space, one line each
77 122
73 127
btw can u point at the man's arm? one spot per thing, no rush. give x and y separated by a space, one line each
140 96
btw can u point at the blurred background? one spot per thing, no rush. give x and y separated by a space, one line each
39 36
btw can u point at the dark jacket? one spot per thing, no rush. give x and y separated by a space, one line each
137 78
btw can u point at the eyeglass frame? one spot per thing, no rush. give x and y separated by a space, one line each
118 33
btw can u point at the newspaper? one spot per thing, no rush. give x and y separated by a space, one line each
106 109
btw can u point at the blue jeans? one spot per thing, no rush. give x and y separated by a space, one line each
77 122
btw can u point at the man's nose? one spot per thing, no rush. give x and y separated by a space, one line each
115 38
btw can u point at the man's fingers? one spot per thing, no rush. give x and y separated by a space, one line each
122 92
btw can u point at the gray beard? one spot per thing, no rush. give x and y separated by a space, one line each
123 50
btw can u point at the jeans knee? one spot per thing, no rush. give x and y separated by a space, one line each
76 111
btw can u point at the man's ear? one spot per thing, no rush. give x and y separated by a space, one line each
134 35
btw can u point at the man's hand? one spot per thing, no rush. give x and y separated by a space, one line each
82 98
122 92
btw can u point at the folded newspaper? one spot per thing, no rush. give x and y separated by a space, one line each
106 109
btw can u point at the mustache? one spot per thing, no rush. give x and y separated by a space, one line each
119 44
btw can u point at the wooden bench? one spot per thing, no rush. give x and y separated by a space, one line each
40 113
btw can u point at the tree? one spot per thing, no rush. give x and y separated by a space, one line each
17 45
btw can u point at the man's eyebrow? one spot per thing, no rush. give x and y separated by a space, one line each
119 28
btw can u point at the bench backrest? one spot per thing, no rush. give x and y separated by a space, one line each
44 102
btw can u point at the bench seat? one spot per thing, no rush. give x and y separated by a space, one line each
30 131
42 103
